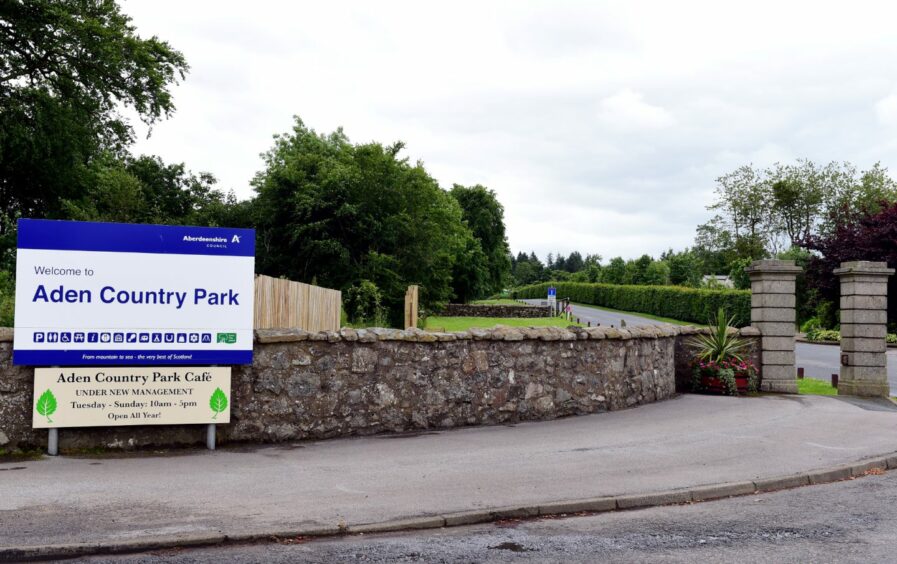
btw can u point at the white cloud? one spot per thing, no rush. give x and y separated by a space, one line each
886 109
601 125
627 110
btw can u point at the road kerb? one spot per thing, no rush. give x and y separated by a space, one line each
58 551
782 483
433 522
492 514
860 469
719 491
830 474
653 499
593 505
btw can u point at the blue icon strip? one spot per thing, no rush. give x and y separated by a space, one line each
105 357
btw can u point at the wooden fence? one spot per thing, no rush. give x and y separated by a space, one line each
284 303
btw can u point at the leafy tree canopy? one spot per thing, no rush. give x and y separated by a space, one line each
485 216
67 69
339 212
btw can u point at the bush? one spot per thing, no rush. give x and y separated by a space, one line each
7 299
810 325
687 304
819 334
363 304
827 314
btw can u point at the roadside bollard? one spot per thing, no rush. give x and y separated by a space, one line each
800 372
834 380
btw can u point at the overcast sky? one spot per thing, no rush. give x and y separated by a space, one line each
601 126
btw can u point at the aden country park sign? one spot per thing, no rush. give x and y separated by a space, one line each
128 315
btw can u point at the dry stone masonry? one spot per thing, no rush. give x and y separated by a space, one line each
359 382
864 309
773 313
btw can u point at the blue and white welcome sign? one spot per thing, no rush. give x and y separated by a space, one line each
127 294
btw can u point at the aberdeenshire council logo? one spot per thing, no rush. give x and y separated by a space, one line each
212 241
200 239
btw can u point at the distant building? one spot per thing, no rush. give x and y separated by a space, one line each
717 280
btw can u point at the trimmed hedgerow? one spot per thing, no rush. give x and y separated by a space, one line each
677 302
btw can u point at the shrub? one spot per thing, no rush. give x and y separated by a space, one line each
7 299
363 304
827 314
721 343
810 325
818 334
696 305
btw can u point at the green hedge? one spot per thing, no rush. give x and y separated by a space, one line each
686 304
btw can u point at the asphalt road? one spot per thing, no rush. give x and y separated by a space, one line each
819 361
605 318
851 521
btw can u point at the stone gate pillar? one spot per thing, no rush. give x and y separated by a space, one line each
864 318
773 313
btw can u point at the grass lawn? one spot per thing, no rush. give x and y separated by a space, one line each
640 314
435 323
502 301
814 387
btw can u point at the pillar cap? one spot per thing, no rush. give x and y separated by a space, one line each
773 266
864 267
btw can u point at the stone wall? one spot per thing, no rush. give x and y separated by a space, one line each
359 382
483 310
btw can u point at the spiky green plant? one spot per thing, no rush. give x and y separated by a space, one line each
721 342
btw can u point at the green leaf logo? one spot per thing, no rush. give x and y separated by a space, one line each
46 405
218 402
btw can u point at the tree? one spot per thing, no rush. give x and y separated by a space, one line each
528 269
714 246
764 212
574 262
67 69
146 190
636 270
593 260
560 263
657 273
485 216
338 212
470 276
872 237
737 274
614 272
685 268
744 200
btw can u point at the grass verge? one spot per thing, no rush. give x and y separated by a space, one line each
814 387
436 323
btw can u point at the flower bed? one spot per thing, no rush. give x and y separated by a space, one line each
731 376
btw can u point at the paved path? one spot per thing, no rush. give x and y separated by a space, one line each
605 318
684 442
851 521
